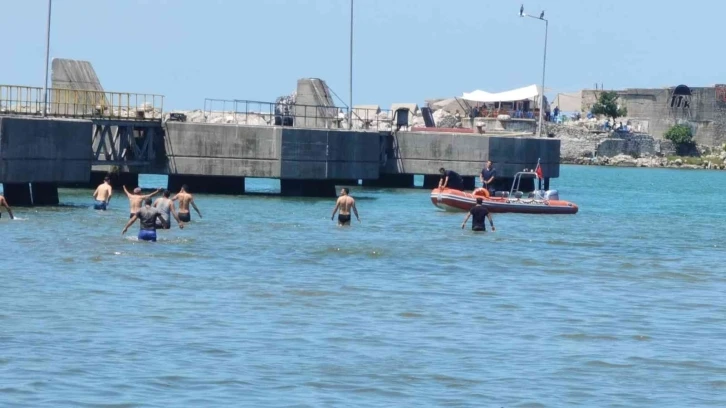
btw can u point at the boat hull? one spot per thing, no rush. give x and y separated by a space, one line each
458 201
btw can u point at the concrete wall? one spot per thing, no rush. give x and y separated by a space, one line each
74 75
271 152
426 152
45 150
330 154
223 150
311 104
652 110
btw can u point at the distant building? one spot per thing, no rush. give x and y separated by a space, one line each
654 111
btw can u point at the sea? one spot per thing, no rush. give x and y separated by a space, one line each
266 302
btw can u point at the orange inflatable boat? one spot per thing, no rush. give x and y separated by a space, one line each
541 202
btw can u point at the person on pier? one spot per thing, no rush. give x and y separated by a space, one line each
103 194
345 203
480 214
147 216
186 199
136 198
4 203
450 179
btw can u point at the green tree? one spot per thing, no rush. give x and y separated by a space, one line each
607 104
680 135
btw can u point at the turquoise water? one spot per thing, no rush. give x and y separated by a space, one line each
265 302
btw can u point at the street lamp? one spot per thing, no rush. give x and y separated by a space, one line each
350 77
47 55
544 64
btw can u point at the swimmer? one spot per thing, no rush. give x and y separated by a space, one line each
345 203
480 214
136 199
184 200
4 203
103 194
147 216
166 208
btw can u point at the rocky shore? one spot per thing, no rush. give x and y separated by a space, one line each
583 144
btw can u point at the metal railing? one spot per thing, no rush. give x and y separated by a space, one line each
75 103
259 113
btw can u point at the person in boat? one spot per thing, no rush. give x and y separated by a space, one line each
487 176
450 179
479 214
186 199
4 203
135 199
147 216
103 194
345 203
166 207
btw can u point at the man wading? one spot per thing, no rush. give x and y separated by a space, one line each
345 203
136 199
185 199
480 215
147 217
167 210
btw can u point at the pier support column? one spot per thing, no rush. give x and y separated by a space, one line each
17 194
391 181
307 188
44 193
431 181
547 183
469 183
207 184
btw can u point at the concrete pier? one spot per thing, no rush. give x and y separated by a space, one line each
391 181
207 184
308 188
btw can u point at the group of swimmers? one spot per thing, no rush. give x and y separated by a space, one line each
157 215
151 216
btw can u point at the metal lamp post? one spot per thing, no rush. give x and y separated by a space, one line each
544 64
47 55
350 75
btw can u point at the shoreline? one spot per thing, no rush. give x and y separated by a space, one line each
648 162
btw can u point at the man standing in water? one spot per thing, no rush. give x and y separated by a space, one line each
450 179
345 203
103 194
136 199
185 199
4 203
480 214
166 208
147 216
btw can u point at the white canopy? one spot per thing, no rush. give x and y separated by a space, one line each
520 94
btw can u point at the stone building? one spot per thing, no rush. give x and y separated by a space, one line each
654 111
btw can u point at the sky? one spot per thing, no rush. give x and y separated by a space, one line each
404 50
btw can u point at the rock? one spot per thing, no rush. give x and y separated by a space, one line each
678 162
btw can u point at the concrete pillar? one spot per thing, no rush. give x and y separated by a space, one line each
307 188
431 181
207 184
17 194
469 182
44 193
391 181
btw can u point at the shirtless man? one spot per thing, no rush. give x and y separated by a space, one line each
345 203
4 203
102 195
184 200
166 208
136 199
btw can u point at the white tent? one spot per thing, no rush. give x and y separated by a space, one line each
520 94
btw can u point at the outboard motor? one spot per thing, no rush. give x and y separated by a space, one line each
552 195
